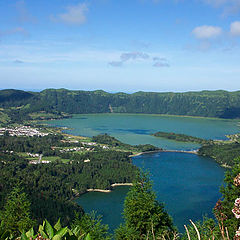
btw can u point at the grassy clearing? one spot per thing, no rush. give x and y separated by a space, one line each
49 158
4 118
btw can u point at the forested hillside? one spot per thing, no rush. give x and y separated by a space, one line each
67 174
19 105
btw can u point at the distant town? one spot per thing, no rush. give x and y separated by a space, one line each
22 131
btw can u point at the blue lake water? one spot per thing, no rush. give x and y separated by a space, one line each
188 184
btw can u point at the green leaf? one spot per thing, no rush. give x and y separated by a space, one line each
43 234
58 225
5 235
75 231
88 237
57 237
49 230
70 232
30 233
41 227
62 231
24 236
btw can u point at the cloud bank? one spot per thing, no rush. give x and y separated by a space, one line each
135 56
74 15
235 28
229 6
207 32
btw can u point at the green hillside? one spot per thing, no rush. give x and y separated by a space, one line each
220 104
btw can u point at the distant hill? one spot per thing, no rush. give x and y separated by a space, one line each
220 104
12 96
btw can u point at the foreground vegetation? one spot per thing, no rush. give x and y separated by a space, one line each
145 217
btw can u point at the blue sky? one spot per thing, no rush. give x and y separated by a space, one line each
120 45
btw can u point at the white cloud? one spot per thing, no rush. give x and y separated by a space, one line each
235 28
18 61
129 56
207 32
133 55
229 6
161 64
159 59
115 63
74 14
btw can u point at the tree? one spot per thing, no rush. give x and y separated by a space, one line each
144 215
16 214
92 225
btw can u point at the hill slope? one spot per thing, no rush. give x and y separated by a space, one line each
220 104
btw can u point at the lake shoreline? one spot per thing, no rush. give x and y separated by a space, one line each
103 190
158 151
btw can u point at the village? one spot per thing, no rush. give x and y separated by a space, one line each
22 131
39 158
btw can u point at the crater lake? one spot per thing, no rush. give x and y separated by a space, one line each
186 183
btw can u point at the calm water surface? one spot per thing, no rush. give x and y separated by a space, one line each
136 128
186 183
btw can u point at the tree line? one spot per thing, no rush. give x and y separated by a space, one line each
19 105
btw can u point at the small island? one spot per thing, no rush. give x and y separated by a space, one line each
181 137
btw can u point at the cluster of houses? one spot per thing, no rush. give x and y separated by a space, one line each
88 143
234 137
34 155
39 160
87 146
22 131
93 143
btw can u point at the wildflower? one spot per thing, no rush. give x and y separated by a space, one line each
236 208
237 235
236 180
218 211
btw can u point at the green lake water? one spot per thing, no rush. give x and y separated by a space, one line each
186 183
136 128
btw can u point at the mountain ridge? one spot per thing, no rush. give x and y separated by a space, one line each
219 103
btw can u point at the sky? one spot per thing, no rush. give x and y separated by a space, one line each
120 45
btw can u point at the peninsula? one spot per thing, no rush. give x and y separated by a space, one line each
181 137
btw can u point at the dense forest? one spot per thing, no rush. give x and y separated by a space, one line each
16 105
223 153
50 186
